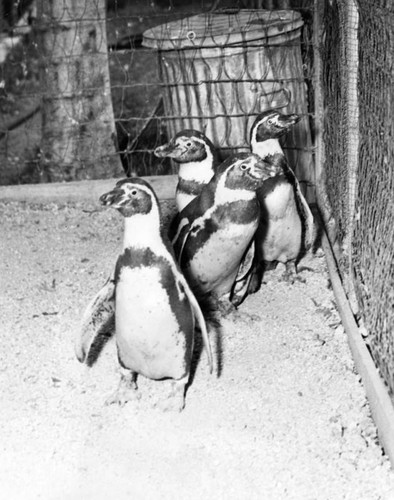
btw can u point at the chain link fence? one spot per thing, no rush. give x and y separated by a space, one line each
373 234
149 103
334 173
356 189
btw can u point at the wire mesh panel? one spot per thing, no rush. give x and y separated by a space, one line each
357 184
138 91
373 238
220 70
335 173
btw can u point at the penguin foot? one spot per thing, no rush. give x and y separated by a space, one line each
305 268
245 316
225 307
126 391
292 277
176 399
221 305
292 274
122 397
172 404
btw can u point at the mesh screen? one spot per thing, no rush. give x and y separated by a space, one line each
358 179
143 93
373 238
335 173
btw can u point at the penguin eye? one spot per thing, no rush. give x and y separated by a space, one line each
243 166
134 192
188 144
270 121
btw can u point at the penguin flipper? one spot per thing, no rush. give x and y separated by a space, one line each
183 224
180 239
307 216
200 320
98 324
173 227
240 287
309 223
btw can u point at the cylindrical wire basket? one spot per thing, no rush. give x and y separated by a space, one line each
220 70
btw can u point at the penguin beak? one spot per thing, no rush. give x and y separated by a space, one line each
113 198
168 150
287 121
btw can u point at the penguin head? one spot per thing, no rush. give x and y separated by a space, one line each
271 124
187 146
247 171
131 196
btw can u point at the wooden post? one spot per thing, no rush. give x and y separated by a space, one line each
352 143
79 138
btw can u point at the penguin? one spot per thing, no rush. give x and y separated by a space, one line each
285 232
215 229
155 310
197 158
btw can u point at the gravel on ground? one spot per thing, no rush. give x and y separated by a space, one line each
284 416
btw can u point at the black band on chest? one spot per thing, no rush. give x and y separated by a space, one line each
190 187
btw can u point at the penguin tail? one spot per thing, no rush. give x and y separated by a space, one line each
97 325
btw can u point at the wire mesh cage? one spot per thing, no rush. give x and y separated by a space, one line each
358 195
373 231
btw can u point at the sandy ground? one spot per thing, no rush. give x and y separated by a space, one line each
284 416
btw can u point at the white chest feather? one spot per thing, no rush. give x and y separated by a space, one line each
280 238
141 300
198 171
215 265
146 327
143 232
266 148
183 199
280 202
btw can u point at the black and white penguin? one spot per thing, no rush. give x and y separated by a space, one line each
285 231
197 158
215 229
155 310
267 129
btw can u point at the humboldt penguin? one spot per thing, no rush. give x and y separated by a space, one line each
215 229
155 310
285 231
197 158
